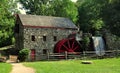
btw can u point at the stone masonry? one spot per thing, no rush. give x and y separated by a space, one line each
41 33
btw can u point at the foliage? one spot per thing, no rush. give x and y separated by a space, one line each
65 8
60 8
93 15
38 7
111 16
7 9
85 42
75 66
89 15
23 54
5 67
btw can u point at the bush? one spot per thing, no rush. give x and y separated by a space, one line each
23 54
86 41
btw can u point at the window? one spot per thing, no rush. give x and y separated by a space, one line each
44 38
54 38
33 38
44 51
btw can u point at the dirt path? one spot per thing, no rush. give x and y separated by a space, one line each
20 68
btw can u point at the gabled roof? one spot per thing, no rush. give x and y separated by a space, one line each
46 21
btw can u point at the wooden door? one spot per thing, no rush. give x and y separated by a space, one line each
33 54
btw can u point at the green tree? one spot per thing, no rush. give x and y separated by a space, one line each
38 7
7 9
61 8
111 16
65 8
89 15
96 14
86 42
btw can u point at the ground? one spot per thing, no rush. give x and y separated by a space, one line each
107 65
20 68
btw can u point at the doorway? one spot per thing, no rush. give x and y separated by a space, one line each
33 53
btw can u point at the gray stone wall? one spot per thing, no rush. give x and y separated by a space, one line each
112 42
19 36
39 44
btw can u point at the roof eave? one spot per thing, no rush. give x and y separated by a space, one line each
29 26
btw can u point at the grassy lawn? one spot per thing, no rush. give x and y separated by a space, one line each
5 68
75 66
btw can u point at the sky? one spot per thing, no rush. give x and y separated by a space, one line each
74 0
23 11
19 7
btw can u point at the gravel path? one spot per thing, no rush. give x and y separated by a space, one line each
19 68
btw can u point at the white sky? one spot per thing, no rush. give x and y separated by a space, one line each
19 6
22 11
74 0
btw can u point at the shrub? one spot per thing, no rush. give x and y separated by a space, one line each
23 54
86 42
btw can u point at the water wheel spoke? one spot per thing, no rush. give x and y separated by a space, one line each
75 48
68 42
70 50
73 44
69 45
65 47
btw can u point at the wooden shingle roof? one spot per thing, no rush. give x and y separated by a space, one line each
46 21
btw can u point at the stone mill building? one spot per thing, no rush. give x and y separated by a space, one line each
41 33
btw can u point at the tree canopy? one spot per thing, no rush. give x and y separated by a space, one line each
94 15
91 15
7 9
60 8
111 16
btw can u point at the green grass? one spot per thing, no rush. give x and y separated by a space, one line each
75 66
5 68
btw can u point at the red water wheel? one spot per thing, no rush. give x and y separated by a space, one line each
69 45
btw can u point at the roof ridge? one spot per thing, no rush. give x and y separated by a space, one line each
47 21
42 16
